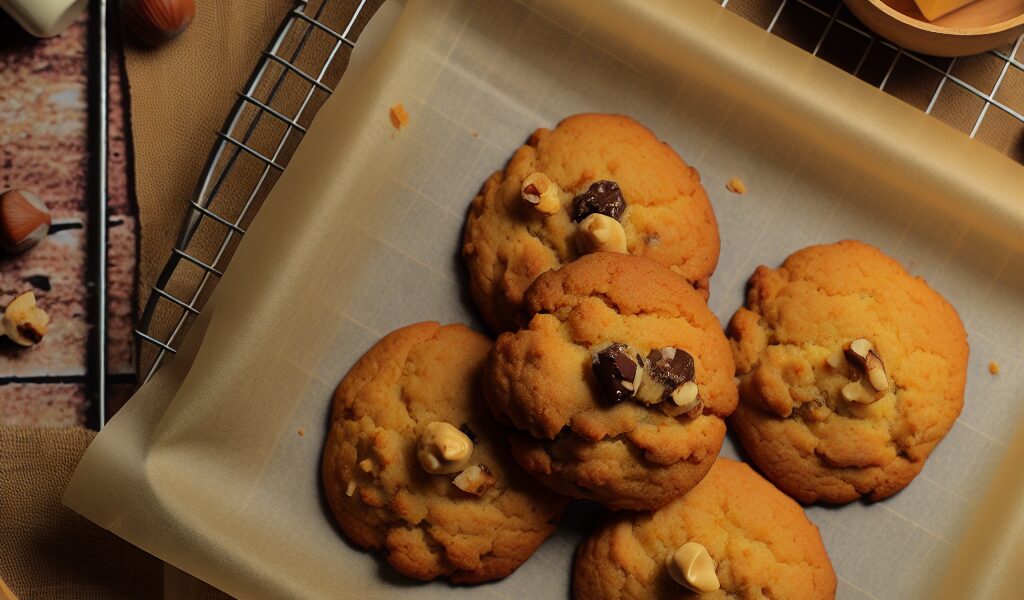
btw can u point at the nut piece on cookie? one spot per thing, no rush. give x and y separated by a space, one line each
443 449
862 354
541 193
603 198
24 322
619 370
598 233
693 568
475 480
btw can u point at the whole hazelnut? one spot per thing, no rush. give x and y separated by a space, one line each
598 233
155 22
24 220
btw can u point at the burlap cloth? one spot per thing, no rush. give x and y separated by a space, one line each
180 97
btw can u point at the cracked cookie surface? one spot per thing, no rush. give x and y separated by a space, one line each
539 380
668 218
381 495
761 541
794 421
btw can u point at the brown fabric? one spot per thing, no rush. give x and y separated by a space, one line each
48 551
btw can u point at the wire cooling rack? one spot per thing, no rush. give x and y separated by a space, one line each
290 84
287 88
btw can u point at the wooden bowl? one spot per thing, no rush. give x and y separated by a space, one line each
977 27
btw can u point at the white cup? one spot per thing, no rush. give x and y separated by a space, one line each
44 18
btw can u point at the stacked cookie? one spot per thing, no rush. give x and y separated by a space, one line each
611 380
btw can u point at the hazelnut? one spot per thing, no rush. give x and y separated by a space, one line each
542 193
442 448
685 396
24 322
598 233
350 489
155 22
366 465
475 480
856 392
693 568
24 220
861 353
836 359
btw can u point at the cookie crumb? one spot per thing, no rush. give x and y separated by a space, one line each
399 118
474 133
302 432
993 368
736 186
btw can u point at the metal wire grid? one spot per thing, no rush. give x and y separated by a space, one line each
268 137
1009 59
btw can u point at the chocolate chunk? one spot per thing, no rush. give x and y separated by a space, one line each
603 197
667 369
617 372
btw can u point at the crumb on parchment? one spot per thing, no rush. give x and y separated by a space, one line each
736 186
399 118
993 368
302 432
474 133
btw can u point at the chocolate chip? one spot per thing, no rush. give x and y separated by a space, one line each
603 197
667 369
41 282
469 432
616 371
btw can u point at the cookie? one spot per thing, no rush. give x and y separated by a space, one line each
851 371
596 182
476 516
735 535
617 388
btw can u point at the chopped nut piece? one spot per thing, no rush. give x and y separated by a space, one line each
350 489
736 186
24 322
685 395
993 368
598 233
475 480
862 354
542 193
603 198
443 449
856 392
366 465
399 118
693 568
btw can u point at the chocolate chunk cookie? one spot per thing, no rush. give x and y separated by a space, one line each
851 371
618 386
415 465
731 536
594 183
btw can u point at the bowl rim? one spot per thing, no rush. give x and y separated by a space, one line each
998 27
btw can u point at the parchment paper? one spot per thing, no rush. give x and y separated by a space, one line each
213 466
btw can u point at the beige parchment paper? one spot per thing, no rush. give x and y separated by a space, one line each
206 467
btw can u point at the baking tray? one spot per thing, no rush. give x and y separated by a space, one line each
213 465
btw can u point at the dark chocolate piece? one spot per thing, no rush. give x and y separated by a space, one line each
603 197
616 370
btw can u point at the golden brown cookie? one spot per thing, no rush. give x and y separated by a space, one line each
595 439
604 164
760 543
471 526
851 371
